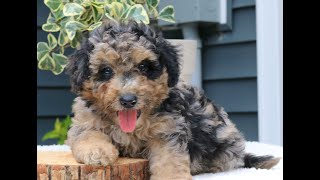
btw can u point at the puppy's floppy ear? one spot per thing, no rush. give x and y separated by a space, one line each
78 66
170 58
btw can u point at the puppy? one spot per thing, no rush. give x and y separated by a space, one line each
131 103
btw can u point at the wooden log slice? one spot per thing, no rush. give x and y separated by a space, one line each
55 165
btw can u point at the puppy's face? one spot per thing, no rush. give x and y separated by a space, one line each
124 71
126 79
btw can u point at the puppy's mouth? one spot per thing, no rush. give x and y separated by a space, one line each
128 119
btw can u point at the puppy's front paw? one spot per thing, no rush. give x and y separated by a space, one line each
95 154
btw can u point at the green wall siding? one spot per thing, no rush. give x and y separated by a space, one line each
229 68
54 99
230 61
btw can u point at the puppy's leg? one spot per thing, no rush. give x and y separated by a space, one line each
169 161
89 145
94 147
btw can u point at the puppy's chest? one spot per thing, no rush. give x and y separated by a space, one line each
129 145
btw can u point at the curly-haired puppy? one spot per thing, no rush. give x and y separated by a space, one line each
131 103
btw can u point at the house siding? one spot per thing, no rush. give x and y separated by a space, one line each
229 68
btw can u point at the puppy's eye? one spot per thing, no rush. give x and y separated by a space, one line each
106 73
151 69
143 67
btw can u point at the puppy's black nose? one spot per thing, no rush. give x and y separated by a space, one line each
128 100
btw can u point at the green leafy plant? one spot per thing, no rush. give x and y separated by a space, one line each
60 130
72 19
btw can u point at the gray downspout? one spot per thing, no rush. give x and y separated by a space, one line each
190 31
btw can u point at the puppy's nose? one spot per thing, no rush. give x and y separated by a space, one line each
128 100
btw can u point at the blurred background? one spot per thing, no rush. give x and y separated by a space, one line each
239 64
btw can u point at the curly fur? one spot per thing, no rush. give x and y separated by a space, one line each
180 131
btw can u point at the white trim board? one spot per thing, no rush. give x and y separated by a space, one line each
269 20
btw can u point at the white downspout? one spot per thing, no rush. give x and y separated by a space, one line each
269 68
190 31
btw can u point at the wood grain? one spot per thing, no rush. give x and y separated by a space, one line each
62 166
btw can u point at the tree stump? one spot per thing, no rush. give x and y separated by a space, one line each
57 165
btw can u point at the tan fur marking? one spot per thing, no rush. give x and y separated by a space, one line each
269 164
93 148
104 56
226 132
88 143
209 109
112 55
168 164
139 54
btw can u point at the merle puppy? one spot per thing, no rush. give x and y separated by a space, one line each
131 103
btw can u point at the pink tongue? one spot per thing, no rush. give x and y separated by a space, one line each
128 120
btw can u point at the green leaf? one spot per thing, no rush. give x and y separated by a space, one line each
108 11
53 4
94 26
63 132
89 21
72 27
50 27
76 41
86 4
97 13
98 4
50 135
76 17
126 7
66 122
46 63
139 1
42 46
63 38
51 19
61 49
57 70
167 14
78 1
57 125
73 9
42 50
153 3
64 21
117 10
60 131
111 1
60 59
87 14
61 141
138 13
52 41
152 11
61 62
152 7
58 14
40 55
129 2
